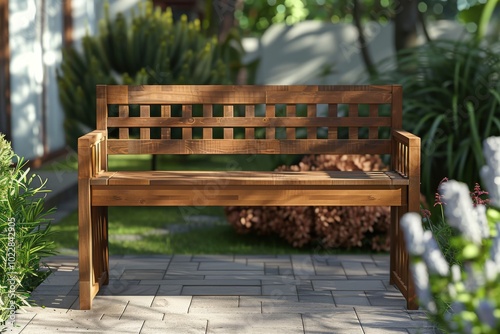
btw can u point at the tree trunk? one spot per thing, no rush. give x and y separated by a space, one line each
363 45
406 21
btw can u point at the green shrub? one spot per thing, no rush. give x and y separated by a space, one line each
25 235
451 100
149 49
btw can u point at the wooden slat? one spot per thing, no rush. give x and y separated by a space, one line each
187 113
291 112
228 114
123 112
101 107
270 113
397 107
327 97
312 133
207 113
353 113
250 178
248 94
373 130
150 195
166 111
332 114
249 114
145 133
249 146
273 122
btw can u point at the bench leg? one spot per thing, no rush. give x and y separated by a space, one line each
93 246
85 245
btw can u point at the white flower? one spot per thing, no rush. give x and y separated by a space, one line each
474 279
490 270
433 257
456 273
480 213
411 224
459 210
421 279
491 172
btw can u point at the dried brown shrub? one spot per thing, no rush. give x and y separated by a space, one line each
332 227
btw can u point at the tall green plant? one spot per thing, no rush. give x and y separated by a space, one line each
451 100
148 49
25 235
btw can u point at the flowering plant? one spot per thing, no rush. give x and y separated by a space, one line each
461 294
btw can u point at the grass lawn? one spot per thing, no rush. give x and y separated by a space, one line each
145 230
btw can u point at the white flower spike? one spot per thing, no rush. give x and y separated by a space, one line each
459 210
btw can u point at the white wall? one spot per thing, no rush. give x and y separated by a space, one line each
298 54
35 56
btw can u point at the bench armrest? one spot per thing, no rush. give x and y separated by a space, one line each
92 154
406 154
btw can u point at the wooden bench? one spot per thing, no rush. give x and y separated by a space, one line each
244 120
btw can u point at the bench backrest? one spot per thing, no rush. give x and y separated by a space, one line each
195 119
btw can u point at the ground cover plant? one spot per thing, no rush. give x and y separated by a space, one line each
25 233
457 279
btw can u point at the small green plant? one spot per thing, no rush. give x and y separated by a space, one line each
460 291
24 233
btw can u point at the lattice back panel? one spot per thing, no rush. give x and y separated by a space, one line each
249 119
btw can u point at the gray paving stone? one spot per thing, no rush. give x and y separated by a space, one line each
316 297
255 323
292 307
374 269
355 285
70 324
61 290
143 274
279 290
329 270
311 298
352 268
202 282
61 278
128 289
387 318
386 298
133 312
207 266
103 305
302 266
228 290
175 324
182 277
211 301
169 290
339 321
250 301
181 258
225 273
213 258
172 304
59 301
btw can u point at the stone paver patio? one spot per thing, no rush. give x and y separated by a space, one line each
226 294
